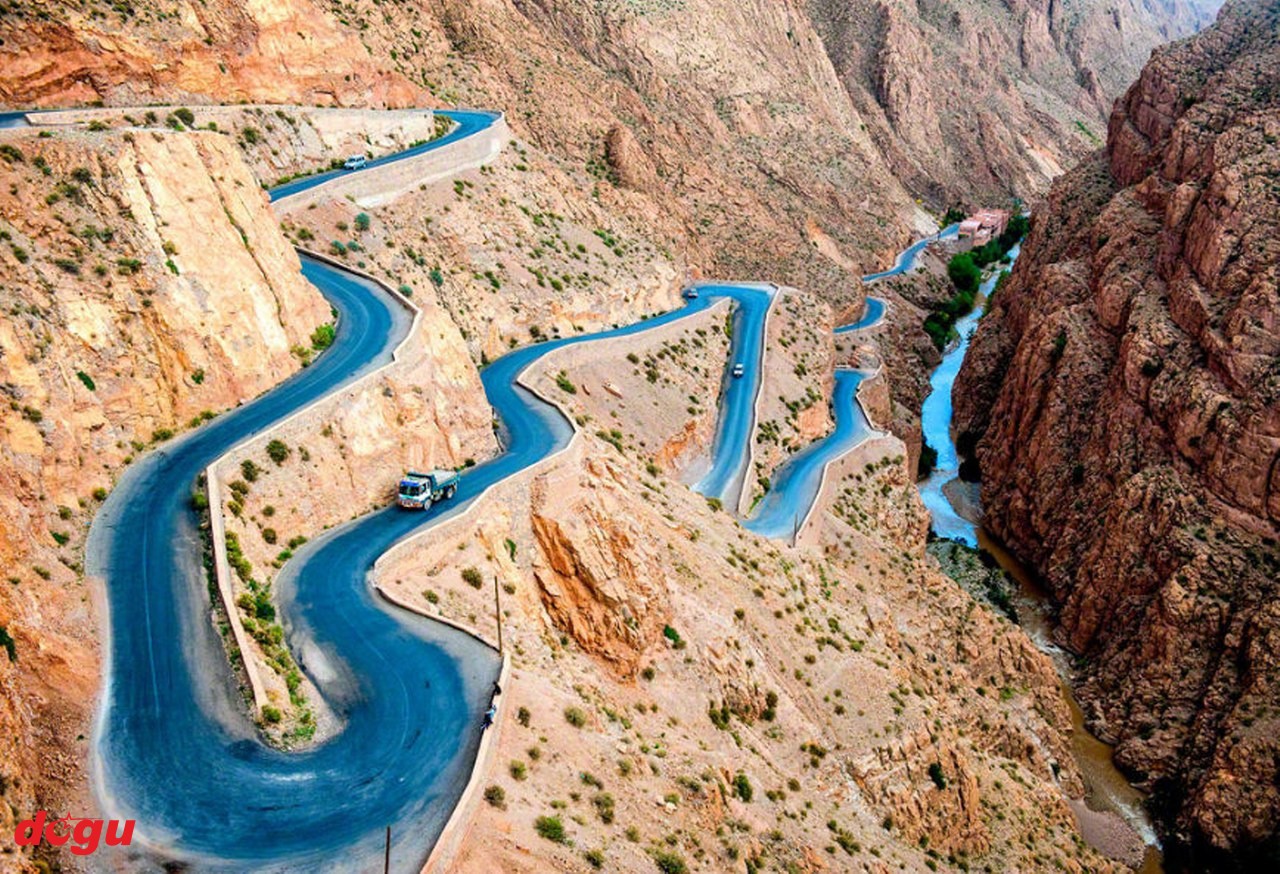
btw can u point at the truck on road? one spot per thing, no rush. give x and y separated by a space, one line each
421 490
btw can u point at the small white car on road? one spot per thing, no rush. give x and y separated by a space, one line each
355 162
738 370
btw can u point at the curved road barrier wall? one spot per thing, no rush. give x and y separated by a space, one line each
383 183
836 470
213 485
823 486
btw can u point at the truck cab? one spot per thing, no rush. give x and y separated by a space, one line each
420 490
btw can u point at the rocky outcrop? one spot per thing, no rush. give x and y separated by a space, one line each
1124 397
272 51
601 579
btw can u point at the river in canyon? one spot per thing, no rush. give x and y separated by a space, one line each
1113 810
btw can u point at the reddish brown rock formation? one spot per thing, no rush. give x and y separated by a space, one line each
601 578
278 51
1124 394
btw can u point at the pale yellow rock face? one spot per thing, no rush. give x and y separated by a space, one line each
88 300
346 455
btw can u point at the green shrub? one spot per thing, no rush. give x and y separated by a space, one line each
87 380
362 221
670 862
551 828
496 796
742 787
575 716
928 458
1059 346
604 805
263 608
9 644
936 775
271 714
674 636
472 577
322 337
277 451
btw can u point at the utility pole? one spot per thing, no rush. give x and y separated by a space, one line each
386 860
497 610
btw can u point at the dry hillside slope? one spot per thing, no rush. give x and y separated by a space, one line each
783 140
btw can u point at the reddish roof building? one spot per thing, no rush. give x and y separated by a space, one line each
984 225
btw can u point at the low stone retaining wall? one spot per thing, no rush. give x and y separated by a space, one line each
213 483
384 183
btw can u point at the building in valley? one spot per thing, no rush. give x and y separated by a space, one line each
983 226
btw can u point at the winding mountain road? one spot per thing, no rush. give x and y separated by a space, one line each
466 123
783 510
173 747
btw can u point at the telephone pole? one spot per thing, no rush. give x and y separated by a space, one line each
497 610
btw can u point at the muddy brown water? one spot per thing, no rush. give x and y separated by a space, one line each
1108 791
1113 815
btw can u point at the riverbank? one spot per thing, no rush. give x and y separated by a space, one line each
1112 816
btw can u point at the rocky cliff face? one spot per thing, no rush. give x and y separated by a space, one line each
275 51
984 100
1124 395
764 133
144 287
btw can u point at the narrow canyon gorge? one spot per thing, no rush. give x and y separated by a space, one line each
613 265
1122 397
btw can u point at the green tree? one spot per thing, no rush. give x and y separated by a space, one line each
964 273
